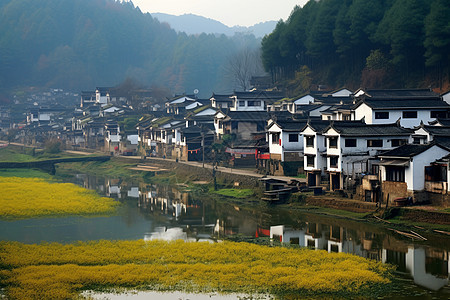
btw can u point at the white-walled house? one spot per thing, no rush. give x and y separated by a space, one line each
425 134
285 140
253 101
402 170
242 124
350 146
221 101
411 107
102 96
314 149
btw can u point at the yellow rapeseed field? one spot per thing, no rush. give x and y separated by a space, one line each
32 197
62 271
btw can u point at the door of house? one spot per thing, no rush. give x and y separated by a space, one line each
335 181
312 179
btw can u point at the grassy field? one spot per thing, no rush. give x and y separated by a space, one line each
25 173
57 271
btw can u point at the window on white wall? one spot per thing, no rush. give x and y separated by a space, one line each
310 141
381 115
350 143
374 143
293 138
275 137
334 161
409 114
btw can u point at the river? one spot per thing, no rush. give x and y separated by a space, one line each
164 212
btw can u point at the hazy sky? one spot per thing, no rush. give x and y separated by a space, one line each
229 12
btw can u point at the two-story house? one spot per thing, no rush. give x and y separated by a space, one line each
286 145
411 107
102 95
350 145
315 151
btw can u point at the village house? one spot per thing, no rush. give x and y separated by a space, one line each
253 101
112 137
222 102
179 105
351 144
315 149
88 98
102 95
402 171
424 134
411 106
286 146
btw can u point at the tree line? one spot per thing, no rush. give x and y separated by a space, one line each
80 44
369 43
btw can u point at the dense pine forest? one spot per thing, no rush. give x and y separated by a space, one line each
80 44
368 43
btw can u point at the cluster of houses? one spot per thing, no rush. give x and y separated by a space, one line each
377 145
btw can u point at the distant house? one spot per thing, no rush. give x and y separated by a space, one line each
87 98
240 123
180 104
102 95
411 107
222 102
253 101
112 137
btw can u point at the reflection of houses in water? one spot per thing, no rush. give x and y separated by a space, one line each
113 188
313 236
430 267
179 208
91 182
167 234
133 192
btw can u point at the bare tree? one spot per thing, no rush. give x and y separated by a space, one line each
243 65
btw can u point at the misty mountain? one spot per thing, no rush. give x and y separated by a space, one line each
193 24
78 45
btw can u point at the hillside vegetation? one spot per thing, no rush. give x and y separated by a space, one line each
368 43
82 44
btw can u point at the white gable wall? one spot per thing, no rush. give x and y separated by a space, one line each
415 174
304 100
275 147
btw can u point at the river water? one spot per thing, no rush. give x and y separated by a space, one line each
164 212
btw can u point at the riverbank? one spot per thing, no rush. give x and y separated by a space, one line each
191 173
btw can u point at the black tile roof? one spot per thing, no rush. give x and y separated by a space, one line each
437 130
248 115
408 150
222 98
291 125
259 95
401 93
317 125
443 122
434 103
357 128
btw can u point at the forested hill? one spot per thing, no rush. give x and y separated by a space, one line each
371 43
80 44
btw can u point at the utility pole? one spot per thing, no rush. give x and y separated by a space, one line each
203 149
